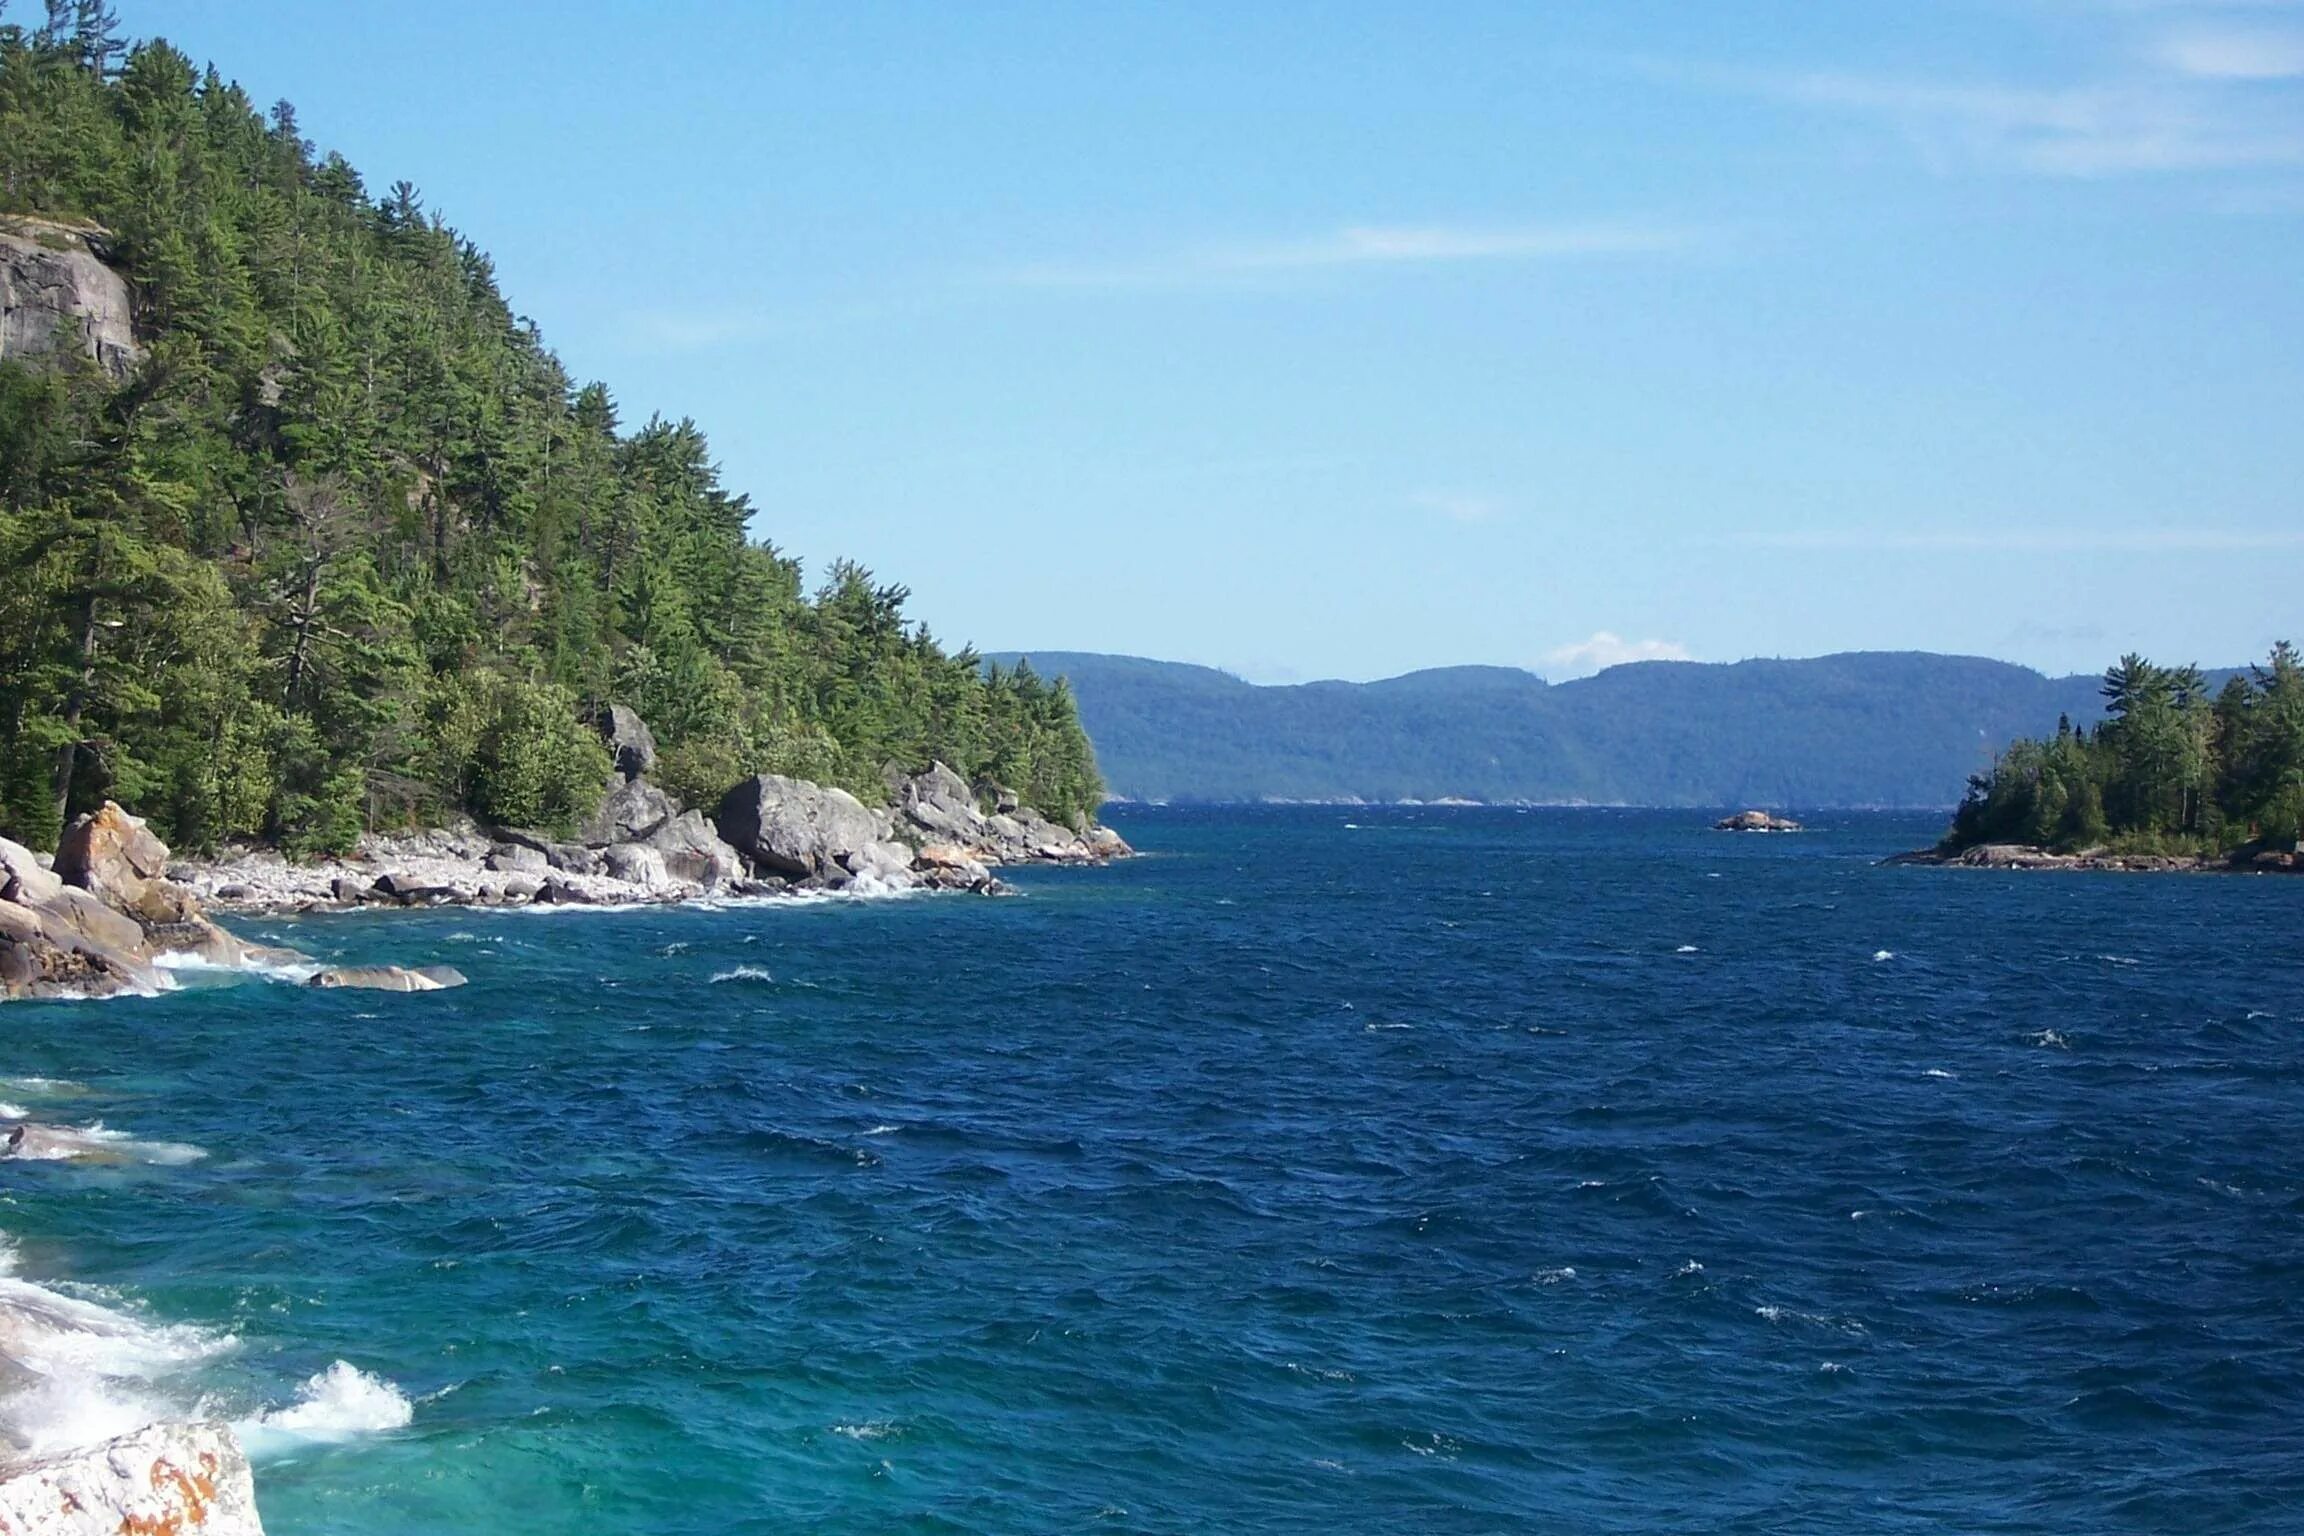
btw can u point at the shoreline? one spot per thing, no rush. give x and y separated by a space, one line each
2025 856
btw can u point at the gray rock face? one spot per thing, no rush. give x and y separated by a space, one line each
633 809
793 828
641 865
515 858
935 810
165 1479
694 852
629 740
57 297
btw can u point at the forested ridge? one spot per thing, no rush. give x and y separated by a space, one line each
347 547
2175 767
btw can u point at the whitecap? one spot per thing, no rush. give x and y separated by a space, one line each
884 1130
1690 1268
340 1403
94 1143
1556 1276
2053 1038
1938 1072
1685 949
87 1372
874 1429
1883 954
742 973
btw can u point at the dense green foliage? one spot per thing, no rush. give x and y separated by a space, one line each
2175 766
1865 729
349 548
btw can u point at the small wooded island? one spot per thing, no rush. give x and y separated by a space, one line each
2173 779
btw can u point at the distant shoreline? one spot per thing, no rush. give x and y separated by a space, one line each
2242 861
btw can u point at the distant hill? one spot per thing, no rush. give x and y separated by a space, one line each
1868 728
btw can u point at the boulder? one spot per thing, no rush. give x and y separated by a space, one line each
632 809
694 852
881 866
517 858
1105 843
164 1479
793 828
24 878
112 855
636 864
390 978
630 743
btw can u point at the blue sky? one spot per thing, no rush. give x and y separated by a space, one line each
1340 340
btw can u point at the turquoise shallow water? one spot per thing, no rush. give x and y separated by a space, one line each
1446 1171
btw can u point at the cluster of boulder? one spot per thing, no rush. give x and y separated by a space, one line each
102 918
165 1479
769 835
1755 821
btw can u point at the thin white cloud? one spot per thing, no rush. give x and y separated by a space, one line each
1459 506
2080 131
2078 541
1368 245
2235 53
1604 649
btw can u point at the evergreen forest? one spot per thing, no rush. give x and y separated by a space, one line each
2173 768
347 548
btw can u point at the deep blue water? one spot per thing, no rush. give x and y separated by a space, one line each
1325 1170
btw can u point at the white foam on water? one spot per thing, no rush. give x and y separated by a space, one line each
299 970
45 1087
1938 1072
1685 949
876 1429
1883 954
341 1403
884 1130
1556 1276
742 973
1690 1268
13 1111
96 1143
80 1372
2051 1038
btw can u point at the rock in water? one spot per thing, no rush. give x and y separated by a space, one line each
630 743
633 809
390 978
1754 821
163 1480
793 828
636 864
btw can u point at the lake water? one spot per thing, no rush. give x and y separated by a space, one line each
1324 1170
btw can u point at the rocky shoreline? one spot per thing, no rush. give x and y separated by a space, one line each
768 836
2263 861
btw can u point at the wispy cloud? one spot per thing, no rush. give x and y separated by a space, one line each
1604 649
2077 541
2235 53
1459 506
2084 131
1366 246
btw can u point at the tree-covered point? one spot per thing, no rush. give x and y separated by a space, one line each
2170 769
348 548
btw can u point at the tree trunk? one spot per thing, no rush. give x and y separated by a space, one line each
68 755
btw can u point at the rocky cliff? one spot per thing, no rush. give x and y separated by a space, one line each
57 295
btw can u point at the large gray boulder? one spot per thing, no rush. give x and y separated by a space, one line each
390 978
58 298
632 810
181 1479
694 852
635 864
937 806
793 828
630 743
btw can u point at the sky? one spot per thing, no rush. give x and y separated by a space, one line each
1340 340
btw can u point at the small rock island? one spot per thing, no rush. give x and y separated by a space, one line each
1755 821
